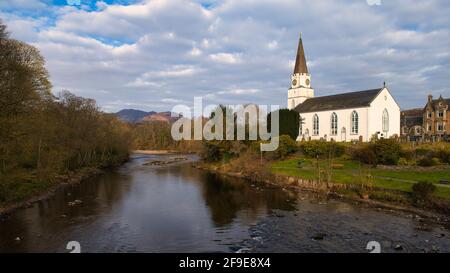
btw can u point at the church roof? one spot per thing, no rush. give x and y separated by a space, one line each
339 101
300 61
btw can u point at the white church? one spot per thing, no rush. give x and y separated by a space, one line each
342 117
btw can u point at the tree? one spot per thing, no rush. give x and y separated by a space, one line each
289 121
24 89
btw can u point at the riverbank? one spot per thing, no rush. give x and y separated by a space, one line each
51 188
155 152
391 200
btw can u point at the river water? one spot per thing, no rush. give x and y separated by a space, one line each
177 208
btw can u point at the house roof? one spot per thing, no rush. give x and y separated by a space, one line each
412 117
435 102
300 61
340 101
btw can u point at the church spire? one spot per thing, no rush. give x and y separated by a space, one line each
300 62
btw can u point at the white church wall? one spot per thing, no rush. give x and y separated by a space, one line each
344 121
384 101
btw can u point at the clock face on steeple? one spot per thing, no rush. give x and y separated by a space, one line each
307 82
294 82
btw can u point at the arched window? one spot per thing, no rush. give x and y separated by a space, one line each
292 104
385 120
355 122
316 125
334 124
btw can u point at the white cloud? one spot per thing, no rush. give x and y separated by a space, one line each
150 53
228 58
272 45
239 91
195 52
175 71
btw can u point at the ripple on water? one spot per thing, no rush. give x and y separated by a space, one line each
337 227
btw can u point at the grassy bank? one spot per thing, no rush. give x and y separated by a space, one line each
346 171
20 188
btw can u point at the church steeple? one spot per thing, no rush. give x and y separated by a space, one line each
300 61
301 80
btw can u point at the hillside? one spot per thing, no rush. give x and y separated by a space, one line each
138 116
132 115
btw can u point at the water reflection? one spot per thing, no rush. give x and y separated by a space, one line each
143 208
177 208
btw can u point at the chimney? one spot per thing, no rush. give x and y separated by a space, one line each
430 98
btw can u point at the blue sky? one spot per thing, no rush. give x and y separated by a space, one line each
153 54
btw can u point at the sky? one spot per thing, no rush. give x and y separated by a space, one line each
154 54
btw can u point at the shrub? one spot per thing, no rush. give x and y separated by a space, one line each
211 152
443 155
428 161
422 151
387 151
286 146
403 161
317 148
364 153
313 148
422 192
408 154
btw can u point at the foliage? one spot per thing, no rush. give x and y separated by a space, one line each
387 151
380 151
422 192
251 166
286 147
152 136
428 162
320 148
288 123
42 136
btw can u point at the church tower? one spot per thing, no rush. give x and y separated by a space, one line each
301 80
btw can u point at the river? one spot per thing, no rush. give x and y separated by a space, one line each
177 208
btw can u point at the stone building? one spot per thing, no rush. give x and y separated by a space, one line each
436 118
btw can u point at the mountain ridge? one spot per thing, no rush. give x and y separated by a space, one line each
139 116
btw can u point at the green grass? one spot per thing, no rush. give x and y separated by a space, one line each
350 173
20 185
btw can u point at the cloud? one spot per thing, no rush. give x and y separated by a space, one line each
22 4
239 91
227 58
152 54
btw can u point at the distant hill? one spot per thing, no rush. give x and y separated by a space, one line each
132 115
159 117
138 116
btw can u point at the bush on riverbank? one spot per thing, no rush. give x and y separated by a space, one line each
422 192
